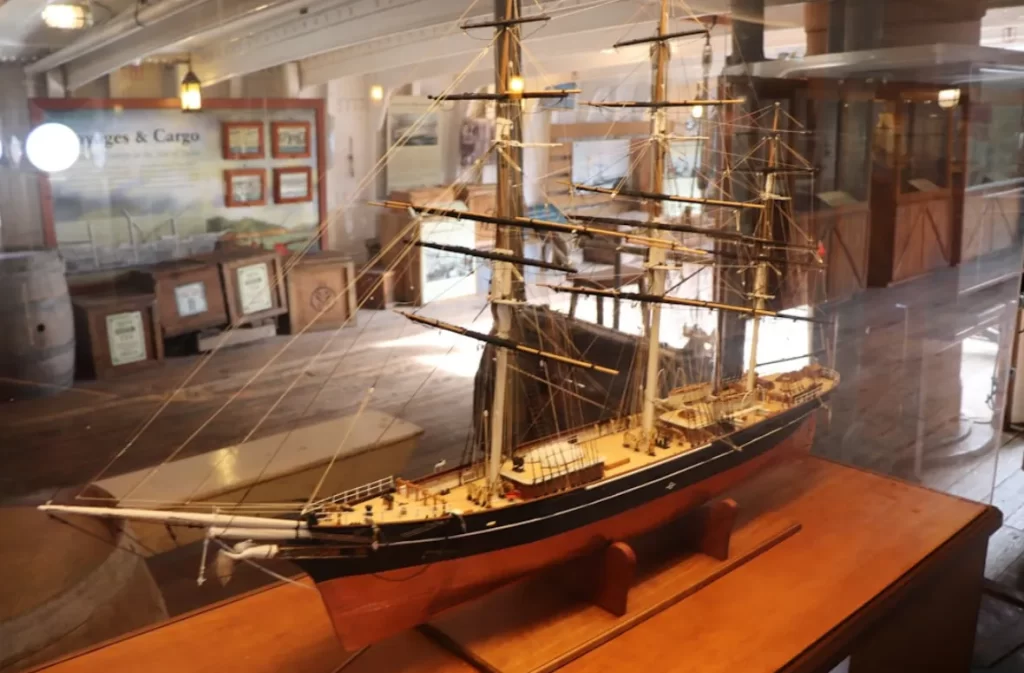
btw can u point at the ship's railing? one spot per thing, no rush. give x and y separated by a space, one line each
357 494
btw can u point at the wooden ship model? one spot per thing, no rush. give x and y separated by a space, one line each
388 555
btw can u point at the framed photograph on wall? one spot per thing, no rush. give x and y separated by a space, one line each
290 140
242 140
245 187
293 184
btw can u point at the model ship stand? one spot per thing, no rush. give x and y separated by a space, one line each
543 622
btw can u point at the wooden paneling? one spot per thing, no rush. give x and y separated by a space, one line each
990 221
923 235
844 233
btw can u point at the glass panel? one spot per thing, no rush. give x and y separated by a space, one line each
926 156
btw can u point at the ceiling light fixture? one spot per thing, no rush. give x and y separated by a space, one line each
66 16
949 98
190 93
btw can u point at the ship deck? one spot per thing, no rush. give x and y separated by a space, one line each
451 493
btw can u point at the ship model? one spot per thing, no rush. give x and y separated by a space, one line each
392 553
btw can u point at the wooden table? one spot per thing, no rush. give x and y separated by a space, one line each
883 572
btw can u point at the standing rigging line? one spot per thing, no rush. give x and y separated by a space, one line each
378 167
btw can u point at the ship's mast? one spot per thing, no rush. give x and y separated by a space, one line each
509 203
656 255
767 229
509 127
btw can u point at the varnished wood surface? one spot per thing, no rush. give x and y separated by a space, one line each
865 539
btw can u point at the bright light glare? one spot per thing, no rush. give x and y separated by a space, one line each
66 17
52 147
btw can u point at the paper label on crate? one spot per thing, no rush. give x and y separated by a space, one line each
191 299
254 288
126 338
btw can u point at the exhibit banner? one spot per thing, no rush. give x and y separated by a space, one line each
154 183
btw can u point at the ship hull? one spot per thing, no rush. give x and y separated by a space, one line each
417 572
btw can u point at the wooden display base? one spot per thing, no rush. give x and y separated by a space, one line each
803 607
554 627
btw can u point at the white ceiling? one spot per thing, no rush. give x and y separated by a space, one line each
393 41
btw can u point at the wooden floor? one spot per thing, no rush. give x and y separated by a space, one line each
917 363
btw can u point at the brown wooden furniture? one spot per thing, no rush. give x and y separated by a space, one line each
844 232
254 286
116 334
607 279
912 223
321 292
884 572
376 289
189 294
394 227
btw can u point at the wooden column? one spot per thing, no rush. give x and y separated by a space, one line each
21 217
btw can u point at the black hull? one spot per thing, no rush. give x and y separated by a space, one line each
408 545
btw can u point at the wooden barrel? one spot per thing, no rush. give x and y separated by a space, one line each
68 586
37 343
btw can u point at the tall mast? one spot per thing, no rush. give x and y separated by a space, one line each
508 240
501 293
656 256
767 229
509 121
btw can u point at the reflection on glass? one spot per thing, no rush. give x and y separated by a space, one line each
926 159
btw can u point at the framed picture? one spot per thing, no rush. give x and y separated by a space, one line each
245 187
290 140
293 185
242 140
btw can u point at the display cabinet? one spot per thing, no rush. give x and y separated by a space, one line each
912 223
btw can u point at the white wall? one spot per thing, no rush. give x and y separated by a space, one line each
353 123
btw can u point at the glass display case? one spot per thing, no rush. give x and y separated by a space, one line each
828 274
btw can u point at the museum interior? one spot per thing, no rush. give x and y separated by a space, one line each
516 336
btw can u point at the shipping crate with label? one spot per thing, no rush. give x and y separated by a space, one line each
321 292
189 294
253 284
116 334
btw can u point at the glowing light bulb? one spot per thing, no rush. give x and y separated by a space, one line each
697 111
516 85
949 98
377 92
66 16
191 93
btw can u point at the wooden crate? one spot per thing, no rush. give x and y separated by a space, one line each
321 292
116 334
253 283
376 288
189 292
